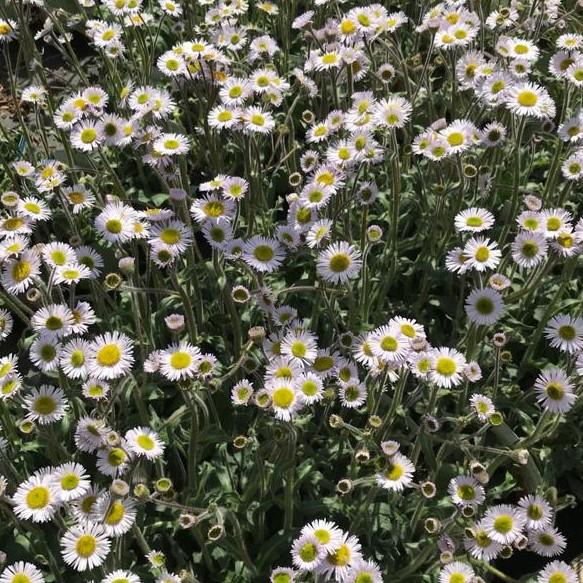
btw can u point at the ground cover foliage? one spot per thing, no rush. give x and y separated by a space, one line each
290 291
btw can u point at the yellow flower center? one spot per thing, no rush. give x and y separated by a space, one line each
44 405
86 545
283 397
339 263
115 513
108 355
445 366
145 442
527 98
180 360
38 497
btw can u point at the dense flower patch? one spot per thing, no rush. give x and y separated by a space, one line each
290 290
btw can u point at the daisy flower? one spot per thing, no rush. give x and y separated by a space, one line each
142 441
484 306
241 393
474 219
547 542
554 391
21 572
285 400
447 367
179 361
71 481
352 394
300 346
110 356
310 388
557 572
45 404
113 462
18 274
121 575
537 512
529 99
398 473
54 321
456 572
529 249
171 144
36 499
483 406
504 523
363 570
116 515
481 254
565 333
466 491
73 358
480 545
307 552
339 262
339 562
328 535
388 344
263 254
85 547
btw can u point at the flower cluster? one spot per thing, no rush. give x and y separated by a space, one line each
290 276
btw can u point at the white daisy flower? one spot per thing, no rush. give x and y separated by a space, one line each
263 254
21 572
36 499
71 481
565 333
447 367
310 387
339 263
529 249
456 572
554 391
484 306
547 542
474 219
466 491
398 474
481 254
242 392
45 404
503 523
110 356
483 406
115 515
537 512
327 533
307 552
285 400
85 547
53 322
300 346
339 562
557 572
480 545
142 441
113 462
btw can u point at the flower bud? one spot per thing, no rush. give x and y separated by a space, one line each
432 525
127 265
256 334
119 488
215 532
428 489
174 323
344 486
163 485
